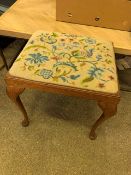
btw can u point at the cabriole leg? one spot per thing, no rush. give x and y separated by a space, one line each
13 93
109 109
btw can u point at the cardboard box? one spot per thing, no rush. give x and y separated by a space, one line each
115 14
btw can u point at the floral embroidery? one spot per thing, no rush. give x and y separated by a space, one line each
46 73
90 41
70 60
98 57
95 72
74 77
36 58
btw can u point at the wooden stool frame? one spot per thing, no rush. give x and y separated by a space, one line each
106 101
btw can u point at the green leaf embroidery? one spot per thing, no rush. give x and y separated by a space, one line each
108 61
88 79
80 58
33 46
30 68
98 44
81 40
18 59
75 53
66 64
37 72
54 34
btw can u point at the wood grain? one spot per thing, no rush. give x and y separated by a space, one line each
26 17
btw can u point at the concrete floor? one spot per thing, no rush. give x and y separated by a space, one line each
56 142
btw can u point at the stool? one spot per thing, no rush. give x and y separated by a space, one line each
67 64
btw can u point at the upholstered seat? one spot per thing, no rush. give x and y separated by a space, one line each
69 60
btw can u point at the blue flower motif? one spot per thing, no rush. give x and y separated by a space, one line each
37 58
95 72
45 73
98 57
89 53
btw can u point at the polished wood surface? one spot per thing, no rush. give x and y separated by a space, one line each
106 101
27 16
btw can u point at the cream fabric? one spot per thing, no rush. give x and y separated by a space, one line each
69 60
